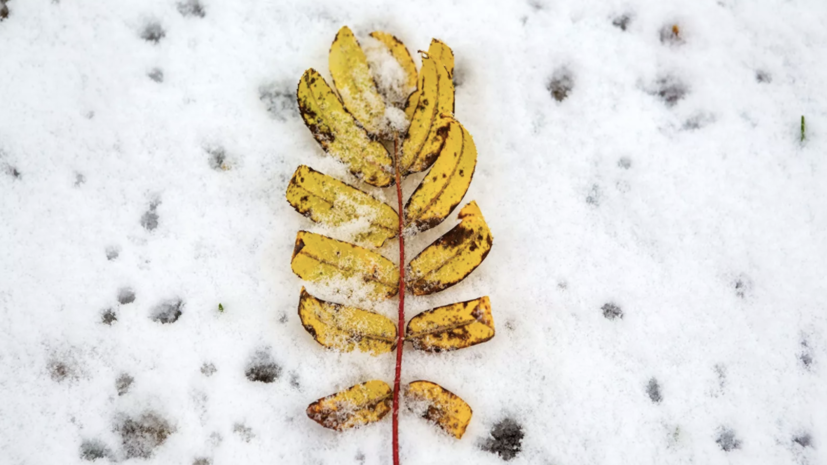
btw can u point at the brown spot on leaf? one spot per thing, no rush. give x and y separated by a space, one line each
299 246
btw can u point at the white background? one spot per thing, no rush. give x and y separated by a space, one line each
710 234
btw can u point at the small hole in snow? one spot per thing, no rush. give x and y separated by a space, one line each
624 163
611 311
743 287
262 368
168 312
803 440
622 21
12 171
109 316
153 32
61 371
721 374
653 389
202 461
244 432
191 8
126 295
217 158
560 84
208 369
79 179
806 355
112 253
149 220
536 5
671 90
671 34
58 371
279 100
726 440
763 76
123 383
594 195
698 121
140 436
156 74
506 439
93 450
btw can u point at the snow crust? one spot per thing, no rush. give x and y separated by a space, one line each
661 221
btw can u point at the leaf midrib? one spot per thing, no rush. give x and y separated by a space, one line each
343 329
339 212
442 329
337 266
445 262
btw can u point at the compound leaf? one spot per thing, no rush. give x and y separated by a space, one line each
446 183
453 256
337 132
327 200
441 406
345 329
320 258
351 76
355 406
400 54
452 327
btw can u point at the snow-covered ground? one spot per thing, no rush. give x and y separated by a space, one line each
659 270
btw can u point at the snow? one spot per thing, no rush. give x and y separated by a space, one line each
388 73
145 147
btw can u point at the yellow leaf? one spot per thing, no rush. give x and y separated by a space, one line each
351 76
411 104
329 201
446 135
452 327
423 115
401 54
443 53
445 85
446 183
339 135
453 256
415 163
442 406
355 406
342 328
319 258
